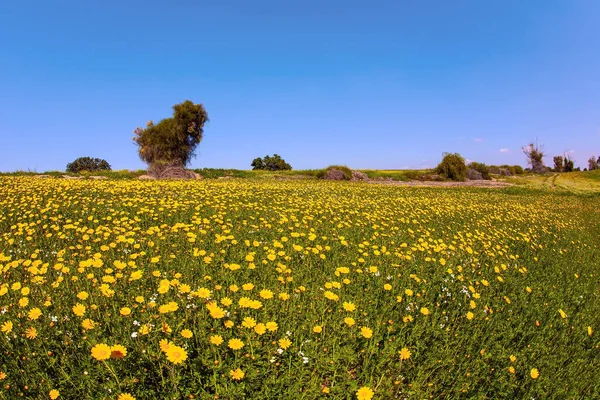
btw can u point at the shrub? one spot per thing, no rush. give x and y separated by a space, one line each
274 163
88 164
559 163
569 164
535 156
483 169
452 167
336 173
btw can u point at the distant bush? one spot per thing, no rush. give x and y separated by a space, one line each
270 163
88 164
452 167
481 168
336 173
518 170
506 170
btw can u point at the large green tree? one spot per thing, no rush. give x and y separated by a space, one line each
172 141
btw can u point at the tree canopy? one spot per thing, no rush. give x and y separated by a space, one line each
270 163
172 141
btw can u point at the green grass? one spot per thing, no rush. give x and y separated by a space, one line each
576 182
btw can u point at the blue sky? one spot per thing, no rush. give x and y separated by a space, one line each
378 84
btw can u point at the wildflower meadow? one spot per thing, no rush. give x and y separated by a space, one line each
231 289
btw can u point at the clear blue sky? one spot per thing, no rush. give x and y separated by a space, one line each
371 84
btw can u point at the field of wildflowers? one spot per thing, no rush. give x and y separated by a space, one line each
295 289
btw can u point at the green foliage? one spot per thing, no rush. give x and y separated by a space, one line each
559 163
172 141
568 165
88 164
270 163
518 170
483 169
452 167
593 163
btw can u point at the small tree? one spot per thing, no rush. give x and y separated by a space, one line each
558 163
88 164
535 156
593 163
452 167
569 164
258 163
172 141
270 163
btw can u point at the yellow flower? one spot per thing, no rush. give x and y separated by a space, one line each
511 369
237 374
164 345
217 312
284 343
54 394
166 328
318 329
176 354
216 340
284 296
145 329
186 333
470 315
31 333
7 327
271 326
125 396
82 295
88 324
34 314
117 351
364 393
349 306
562 314
331 296
235 344
405 354
249 322
101 351
349 321
425 311
2 376
366 332
512 358
266 294
125 311
23 302
260 328
248 286
534 373
226 301
387 287
590 331
203 293
79 309
408 292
